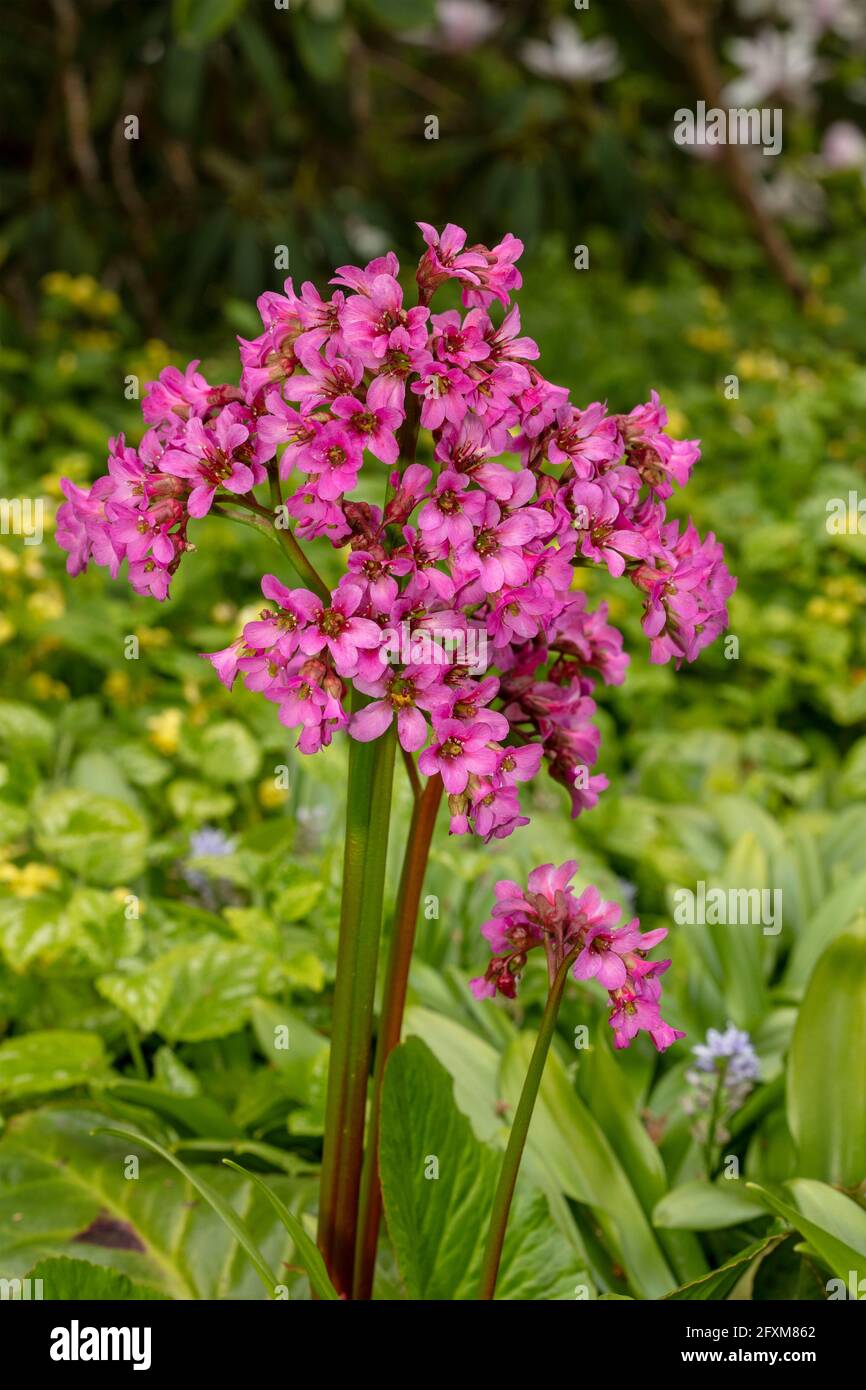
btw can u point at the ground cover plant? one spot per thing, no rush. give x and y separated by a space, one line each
272 1018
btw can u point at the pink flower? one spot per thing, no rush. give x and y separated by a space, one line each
404 694
207 456
451 512
373 423
581 930
460 750
175 395
446 259
371 321
281 629
443 390
337 629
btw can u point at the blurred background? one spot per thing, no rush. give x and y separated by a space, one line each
158 156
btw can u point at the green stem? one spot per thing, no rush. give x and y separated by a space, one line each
712 1122
136 1053
368 811
301 565
281 536
517 1137
391 1022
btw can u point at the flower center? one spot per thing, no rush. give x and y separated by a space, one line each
331 623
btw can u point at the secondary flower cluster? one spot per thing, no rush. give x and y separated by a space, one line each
472 554
548 914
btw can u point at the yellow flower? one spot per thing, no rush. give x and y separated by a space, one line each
270 795
153 638
29 879
7 631
116 686
9 561
44 687
164 730
678 424
760 366
47 604
708 339
818 608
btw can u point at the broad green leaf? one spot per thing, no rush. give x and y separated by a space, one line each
68 1281
719 1283
438 1182
566 1141
307 1251
59 1180
703 1206
203 990
33 931
198 801
297 901
740 945
827 1066
101 839
601 1086
227 752
472 1063
22 726
837 911
214 1199
829 1220
35 1063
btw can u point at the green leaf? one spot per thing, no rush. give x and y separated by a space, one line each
198 802
829 1221
438 1224
214 1199
297 901
308 1253
58 1181
836 913
472 1063
65 1281
227 752
566 1141
827 1066
101 839
703 1206
719 1283
394 14
51 1061
202 21
23 727
199 1115
202 990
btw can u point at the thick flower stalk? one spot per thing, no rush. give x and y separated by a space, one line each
453 627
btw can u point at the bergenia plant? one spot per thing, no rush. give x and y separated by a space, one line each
454 630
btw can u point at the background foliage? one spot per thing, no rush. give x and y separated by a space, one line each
259 128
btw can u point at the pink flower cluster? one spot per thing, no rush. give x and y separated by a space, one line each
471 556
584 929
